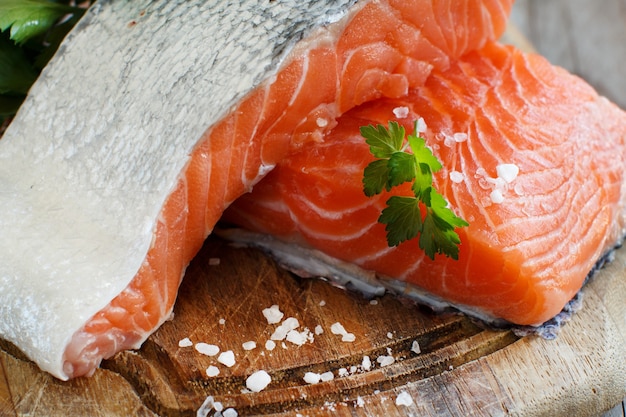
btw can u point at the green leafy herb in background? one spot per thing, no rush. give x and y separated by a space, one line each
31 31
403 216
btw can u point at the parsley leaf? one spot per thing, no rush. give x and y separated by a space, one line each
16 73
30 18
426 214
403 218
383 142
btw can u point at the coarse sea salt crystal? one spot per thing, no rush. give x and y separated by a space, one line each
319 329
227 358
359 401
230 412
327 376
207 349
212 371
338 329
508 172
248 345
421 125
457 177
186 342
404 398
321 122
273 314
270 345
218 406
385 360
258 381
401 112
298 338
496 196
312 377
366 364
389 335
415 347
459 137
348 337
206 407
285 327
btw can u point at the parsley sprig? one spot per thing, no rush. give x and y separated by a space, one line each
30 33
426 213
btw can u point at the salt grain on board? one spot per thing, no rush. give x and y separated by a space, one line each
338 329
249 345
206 407
385 360
207 349
258 381
404 398
273 314
230 412
186 342
270 345
285 327
312 377
366 364
212 371
227 358
327 376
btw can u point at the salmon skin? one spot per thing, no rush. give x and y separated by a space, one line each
153 117
533 159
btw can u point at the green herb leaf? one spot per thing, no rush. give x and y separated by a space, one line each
375 177
9 105
403 218
426 213
438 234
383 142
30 18
16 73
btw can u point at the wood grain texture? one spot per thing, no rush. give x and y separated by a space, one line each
462 369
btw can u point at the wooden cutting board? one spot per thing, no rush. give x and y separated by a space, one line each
461 369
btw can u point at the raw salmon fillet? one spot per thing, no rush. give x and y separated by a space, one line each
533 159
103 208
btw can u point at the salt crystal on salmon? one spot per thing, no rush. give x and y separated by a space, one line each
105 200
